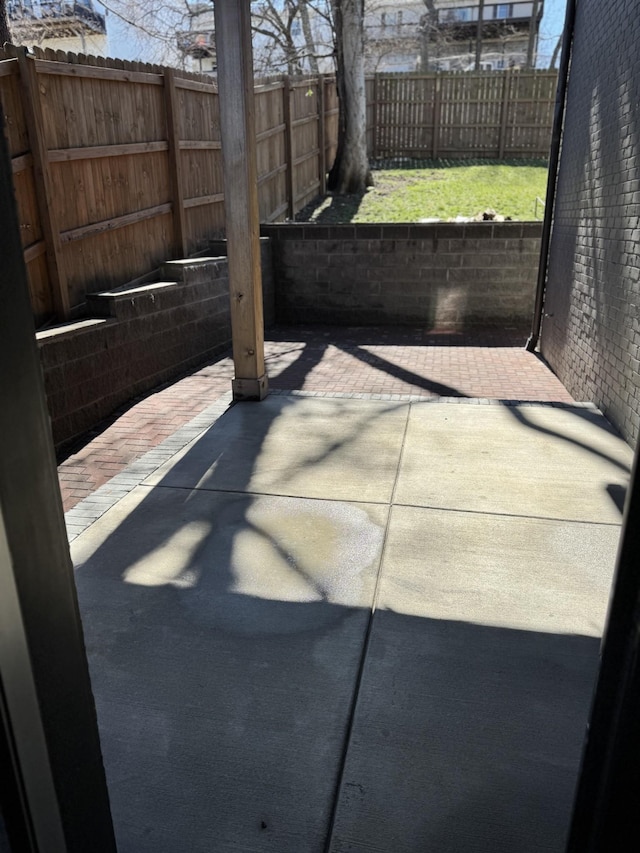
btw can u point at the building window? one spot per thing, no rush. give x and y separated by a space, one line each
504 10
462 14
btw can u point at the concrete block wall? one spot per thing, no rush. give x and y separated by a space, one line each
137 338
141 338
591 331
441 275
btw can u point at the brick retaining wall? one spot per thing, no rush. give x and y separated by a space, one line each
441 275
137 338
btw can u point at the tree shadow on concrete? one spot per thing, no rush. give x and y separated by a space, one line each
226 650
588 415
618 495
226 714
224 670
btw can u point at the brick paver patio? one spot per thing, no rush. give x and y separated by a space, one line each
324 360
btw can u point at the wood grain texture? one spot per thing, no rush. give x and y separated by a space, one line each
42 184
175 166
237 126
116 147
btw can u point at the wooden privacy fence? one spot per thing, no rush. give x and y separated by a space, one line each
296 135
502 114
117 166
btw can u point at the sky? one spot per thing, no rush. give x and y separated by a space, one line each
126 43
550 28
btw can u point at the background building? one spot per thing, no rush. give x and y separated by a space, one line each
58 24
296 37
451 34
198 42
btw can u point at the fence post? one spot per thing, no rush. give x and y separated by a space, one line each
42 182
322 141
288 144
175 164
504 114
374 144
436 116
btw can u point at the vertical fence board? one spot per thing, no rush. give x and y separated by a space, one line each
370 84
322 139
12 104
175 164
288 147
272 134
44 195
506 92
305 141
435 129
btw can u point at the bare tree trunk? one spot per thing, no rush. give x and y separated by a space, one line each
291 65
5 35
350 172
290 53
556 52
428 29
479 35
308 37
533 29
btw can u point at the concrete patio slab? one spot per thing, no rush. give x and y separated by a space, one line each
224 635
502 571
343 449
564 463
466 738
476 685
228 604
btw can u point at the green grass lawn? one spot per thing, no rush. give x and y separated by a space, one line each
444 190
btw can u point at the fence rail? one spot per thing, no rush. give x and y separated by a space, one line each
461 114
118 166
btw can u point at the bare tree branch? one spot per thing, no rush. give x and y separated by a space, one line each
556 52
293 27
5 36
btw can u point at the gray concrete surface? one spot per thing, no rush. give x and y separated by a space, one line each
522 460
348 625
342 449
